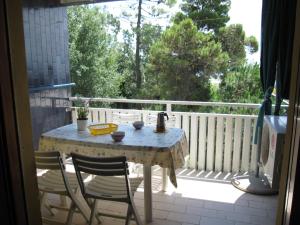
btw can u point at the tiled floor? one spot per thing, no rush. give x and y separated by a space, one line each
201 198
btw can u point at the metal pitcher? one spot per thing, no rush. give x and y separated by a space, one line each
160 125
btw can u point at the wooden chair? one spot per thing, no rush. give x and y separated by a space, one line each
57 181
111 183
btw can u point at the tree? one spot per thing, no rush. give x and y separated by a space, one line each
182 61
153 12
138 73
207 15
234 42
126 64
149 35
126 61
241 85
93 52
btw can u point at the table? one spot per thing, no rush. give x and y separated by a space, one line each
144 146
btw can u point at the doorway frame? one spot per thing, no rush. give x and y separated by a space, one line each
23 131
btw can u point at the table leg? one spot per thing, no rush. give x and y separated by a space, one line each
147 193
164 179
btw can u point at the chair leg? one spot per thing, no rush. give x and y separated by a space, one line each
93 210
90 204
70 214
129 213
43 202
135 213
80 210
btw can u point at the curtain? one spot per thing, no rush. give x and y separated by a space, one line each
277 32
285 49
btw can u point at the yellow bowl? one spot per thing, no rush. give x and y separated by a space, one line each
102 128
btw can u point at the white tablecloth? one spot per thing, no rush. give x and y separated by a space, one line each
144 146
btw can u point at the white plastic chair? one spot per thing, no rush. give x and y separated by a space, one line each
111 183
57 181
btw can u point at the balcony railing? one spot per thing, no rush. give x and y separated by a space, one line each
217 142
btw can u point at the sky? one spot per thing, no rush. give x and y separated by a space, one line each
245 12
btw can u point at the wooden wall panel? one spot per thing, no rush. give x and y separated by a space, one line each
47 58
46 41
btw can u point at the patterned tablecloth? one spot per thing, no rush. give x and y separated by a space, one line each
144 146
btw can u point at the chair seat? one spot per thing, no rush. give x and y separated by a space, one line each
52 182
111 187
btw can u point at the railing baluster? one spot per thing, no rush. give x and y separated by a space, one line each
169 108
237 145
202 142
74 116
186 127
193 145
219 144
102 118
178 120
109 117
92 116
228 145
210 143
246 145
253 149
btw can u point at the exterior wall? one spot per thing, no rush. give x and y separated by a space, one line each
46 41
47 58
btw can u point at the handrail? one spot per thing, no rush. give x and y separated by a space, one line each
168 102
49 87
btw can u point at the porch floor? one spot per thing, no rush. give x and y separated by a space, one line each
203 198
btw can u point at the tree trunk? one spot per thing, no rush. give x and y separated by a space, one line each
138 74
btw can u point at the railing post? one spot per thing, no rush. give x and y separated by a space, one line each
169 108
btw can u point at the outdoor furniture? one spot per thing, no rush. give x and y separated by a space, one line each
168 150
57 181
111 183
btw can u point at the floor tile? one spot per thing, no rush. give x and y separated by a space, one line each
195 201
213 221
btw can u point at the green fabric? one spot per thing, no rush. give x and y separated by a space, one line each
269 43
285 49
268 58
265 107
277 32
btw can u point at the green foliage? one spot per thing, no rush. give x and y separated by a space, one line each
207 15
242 85
145 33
176 64
182 62
252 44
149 35
234 41
82 113
93 52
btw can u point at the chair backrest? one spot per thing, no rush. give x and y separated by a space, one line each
48 160
52 161
101 166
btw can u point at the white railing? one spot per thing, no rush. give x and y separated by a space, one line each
217 142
